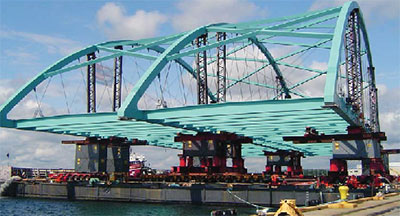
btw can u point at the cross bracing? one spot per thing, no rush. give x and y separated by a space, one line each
259 79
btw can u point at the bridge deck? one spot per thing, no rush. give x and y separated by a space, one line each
265 121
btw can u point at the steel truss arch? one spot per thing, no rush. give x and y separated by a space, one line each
59 68
264 120
331 96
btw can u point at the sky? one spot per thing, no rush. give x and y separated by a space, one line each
35 34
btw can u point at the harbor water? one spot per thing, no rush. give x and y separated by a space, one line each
34 206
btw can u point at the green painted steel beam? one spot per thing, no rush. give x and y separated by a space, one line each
301 67
305 81
291 29
251 118
277 60
270 132
101 59
288 43
186 66
289 18
28 87
250 35
269 124
319 26
243 59
246 82
128 53
257 118
294 29
236 107
262 126
267 113
129 106
70 119
296 34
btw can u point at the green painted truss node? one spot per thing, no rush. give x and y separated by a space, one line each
265 120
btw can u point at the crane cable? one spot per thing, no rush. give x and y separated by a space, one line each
65 94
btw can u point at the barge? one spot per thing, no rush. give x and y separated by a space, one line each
230 194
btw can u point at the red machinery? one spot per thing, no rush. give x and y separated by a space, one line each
76 177
357 144
207 153
290 159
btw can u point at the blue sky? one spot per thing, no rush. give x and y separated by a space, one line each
35 34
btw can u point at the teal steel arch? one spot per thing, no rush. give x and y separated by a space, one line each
129 107
11 102
331 96
265 121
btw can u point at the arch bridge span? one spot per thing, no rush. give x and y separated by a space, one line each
262 79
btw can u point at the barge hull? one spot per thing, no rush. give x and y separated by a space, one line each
162 193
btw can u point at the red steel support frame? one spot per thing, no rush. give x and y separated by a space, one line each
338 165
212 163
294 167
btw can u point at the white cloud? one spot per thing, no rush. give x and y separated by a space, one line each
34 149
53 44
116 24
389 114
390 124
372 9
315 88
6 90
201 12
382 89
27 107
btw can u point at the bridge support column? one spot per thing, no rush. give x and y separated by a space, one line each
211 152
95 155
290 159
357 144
